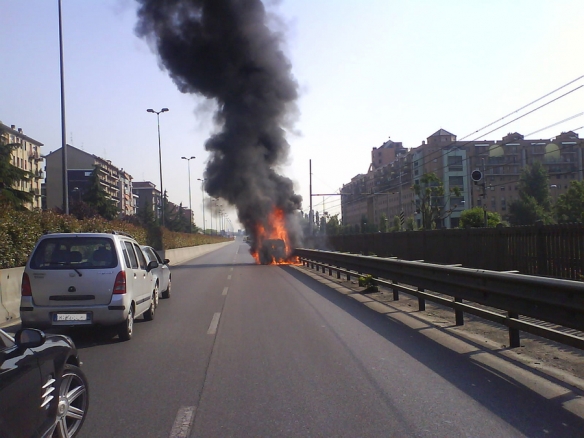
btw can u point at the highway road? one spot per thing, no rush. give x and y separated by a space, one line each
244 350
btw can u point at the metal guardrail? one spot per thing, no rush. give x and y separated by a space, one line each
555 301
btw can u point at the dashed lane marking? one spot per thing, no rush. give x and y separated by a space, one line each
214 323
225 289
183 422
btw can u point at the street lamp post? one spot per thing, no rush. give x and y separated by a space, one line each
63 131
163 110
203 197
190 204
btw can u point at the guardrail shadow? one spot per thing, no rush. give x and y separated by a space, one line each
534 414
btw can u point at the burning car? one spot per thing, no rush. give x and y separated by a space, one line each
272 251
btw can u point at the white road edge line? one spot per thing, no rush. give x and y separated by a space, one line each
214 323
183 422
225 289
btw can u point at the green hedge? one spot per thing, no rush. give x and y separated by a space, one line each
19 231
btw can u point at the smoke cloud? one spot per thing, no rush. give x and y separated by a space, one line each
225 51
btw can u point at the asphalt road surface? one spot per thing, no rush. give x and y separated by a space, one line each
244 350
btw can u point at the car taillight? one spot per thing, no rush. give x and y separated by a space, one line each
120 283
25 289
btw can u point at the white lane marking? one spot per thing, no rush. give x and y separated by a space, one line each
214 323
230 269
229 277
225 289
183 422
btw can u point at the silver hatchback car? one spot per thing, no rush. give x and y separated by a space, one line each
85 279
162 275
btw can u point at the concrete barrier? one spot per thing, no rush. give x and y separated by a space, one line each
181 255
11 279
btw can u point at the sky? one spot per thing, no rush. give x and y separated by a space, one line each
367 72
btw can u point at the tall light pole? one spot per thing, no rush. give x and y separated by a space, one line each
163 110
63 131
203 196
190 204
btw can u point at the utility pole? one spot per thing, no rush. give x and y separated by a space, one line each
63 130
310 214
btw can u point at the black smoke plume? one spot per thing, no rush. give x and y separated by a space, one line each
225 51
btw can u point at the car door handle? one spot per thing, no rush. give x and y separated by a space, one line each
134 275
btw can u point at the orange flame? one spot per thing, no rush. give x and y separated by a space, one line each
276 231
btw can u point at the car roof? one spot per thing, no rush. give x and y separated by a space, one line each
86 234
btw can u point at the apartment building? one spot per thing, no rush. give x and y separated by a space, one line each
80 165
27 156
147 196
128 199
387 186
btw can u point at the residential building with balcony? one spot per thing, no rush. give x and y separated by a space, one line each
80 165
27 156
147 196
128 199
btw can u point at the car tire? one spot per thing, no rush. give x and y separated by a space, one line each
166 293
126 328
149 314
73 402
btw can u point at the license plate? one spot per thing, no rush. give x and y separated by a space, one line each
71 317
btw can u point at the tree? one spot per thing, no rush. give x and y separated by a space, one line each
475 218
570 206
534 203
96 197
383 223
333 226
146 214
432 200
396 224
11 176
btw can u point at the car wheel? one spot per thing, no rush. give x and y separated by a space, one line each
156 295
166 293
149 314
73 402
127 327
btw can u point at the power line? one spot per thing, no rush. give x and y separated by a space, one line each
523 107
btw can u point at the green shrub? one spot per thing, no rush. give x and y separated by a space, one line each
20 230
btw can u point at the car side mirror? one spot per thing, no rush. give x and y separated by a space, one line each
153 264
166 261
29 338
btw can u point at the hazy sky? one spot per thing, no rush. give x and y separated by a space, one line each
367 70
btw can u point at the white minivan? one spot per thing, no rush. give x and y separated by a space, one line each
87 279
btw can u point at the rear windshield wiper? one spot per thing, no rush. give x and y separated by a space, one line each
68 265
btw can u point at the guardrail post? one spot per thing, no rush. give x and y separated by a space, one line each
395 292
458 314
330 270
348 277
338 273
514 340
421 301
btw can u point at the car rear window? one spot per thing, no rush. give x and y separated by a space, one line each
75 252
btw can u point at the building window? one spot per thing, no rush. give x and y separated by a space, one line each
454 181
455 163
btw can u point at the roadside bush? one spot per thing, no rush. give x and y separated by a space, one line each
19 231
